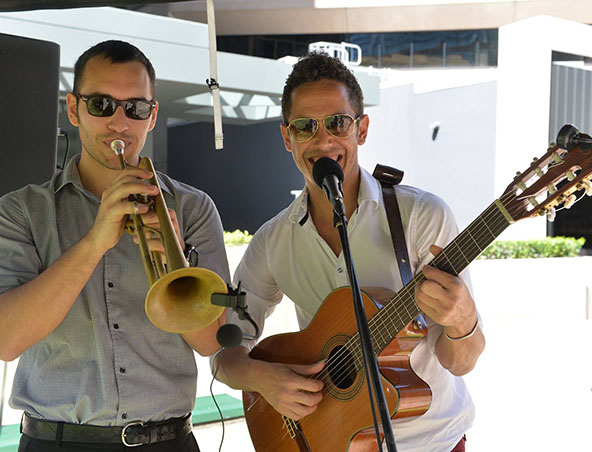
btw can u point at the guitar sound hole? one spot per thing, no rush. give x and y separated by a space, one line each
342 368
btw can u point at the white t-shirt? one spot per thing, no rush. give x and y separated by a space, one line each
288 256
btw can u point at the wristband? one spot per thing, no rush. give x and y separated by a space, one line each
466 336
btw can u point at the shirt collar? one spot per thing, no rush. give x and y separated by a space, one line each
70 175
369 193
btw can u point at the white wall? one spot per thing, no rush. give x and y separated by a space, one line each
523 96
458 165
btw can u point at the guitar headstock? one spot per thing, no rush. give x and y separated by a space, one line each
536 191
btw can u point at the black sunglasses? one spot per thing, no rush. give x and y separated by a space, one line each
338 125
103 106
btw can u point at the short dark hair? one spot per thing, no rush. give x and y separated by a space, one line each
116 52
320 66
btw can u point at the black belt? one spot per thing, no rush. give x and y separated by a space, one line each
132 434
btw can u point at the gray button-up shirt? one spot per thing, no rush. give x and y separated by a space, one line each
105 364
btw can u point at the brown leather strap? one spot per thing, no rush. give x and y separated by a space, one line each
388 178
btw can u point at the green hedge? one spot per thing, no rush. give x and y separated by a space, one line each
547 247
237 238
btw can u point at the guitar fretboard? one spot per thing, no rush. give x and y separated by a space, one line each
453 259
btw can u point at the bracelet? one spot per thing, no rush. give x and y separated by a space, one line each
466 336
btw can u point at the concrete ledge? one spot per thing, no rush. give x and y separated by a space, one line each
205 410
9 438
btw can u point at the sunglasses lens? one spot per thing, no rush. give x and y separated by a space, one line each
303 129
105 106
100 106
138 109
338 125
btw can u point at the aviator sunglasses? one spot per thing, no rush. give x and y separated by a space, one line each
103 106
339 125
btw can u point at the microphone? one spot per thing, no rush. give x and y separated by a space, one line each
570 137
328 175
229 335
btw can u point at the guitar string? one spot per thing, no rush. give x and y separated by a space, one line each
381 316
374 322
386 314
405 297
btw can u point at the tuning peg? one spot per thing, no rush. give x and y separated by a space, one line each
539 172
588 187
533 201
551 214
557 158
552 189
570 175
522 186
571 199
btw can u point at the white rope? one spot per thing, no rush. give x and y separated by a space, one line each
213 80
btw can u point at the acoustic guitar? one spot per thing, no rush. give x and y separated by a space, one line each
343 419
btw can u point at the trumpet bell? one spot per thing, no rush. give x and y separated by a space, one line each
180 301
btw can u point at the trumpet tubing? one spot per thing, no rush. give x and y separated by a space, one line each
179 299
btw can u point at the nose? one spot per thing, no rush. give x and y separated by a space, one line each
323 138
118 122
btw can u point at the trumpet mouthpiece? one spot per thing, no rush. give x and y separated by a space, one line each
118 146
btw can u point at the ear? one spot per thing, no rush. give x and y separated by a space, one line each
153 117
72 109
286 137
363 123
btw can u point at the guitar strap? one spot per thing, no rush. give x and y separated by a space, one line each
388 178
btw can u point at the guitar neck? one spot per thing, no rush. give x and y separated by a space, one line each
453 259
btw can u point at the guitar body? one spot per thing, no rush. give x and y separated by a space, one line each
345 409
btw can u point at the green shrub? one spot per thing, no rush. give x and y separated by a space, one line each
547 247
237 238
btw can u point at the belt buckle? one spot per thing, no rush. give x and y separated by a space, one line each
125 427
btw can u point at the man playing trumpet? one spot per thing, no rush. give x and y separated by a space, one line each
94 372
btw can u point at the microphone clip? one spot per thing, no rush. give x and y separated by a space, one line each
235 299
230 335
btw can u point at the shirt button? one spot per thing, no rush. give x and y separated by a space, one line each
116 326
340 270
110 284
122 370
124 416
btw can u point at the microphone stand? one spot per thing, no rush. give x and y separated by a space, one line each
370 363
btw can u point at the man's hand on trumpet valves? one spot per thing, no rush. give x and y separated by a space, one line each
115 206
150 220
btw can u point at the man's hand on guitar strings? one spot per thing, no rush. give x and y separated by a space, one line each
446 299
290 388
448 302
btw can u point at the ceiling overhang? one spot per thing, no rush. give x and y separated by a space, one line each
251 87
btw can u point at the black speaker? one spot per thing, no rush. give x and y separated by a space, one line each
29 88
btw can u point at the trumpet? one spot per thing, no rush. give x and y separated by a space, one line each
179 299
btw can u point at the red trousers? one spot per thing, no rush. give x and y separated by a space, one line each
460 447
